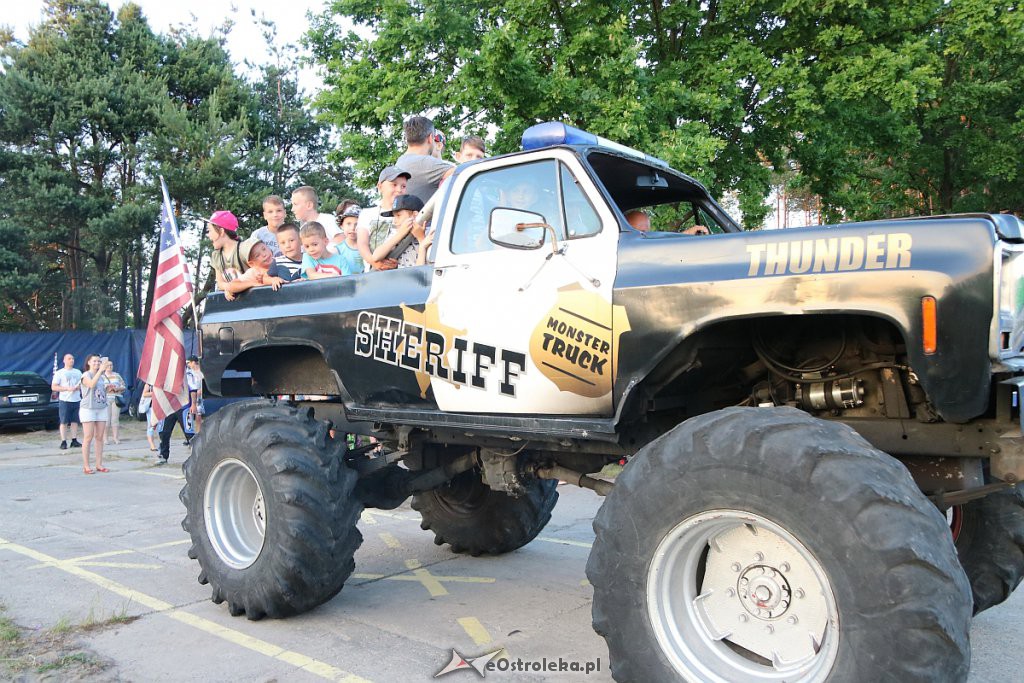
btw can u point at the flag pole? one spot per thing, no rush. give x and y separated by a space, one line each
177 234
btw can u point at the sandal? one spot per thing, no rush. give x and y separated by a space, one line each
86 470
102 469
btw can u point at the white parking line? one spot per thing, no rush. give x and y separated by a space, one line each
565 541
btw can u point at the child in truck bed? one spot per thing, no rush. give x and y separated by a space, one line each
318 262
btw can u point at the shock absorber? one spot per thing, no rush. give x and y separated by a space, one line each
831 395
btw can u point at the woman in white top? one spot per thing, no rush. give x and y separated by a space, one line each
114 423
94 410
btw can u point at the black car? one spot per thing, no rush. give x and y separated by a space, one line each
26 400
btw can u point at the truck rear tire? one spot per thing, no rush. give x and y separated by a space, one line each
473 518
989 537
269 505
733 548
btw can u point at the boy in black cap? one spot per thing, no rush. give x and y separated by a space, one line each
406 234
374 225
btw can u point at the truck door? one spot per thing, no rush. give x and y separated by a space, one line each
525 312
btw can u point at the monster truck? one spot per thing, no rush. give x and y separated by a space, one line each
821 426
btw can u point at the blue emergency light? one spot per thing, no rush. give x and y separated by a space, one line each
557 133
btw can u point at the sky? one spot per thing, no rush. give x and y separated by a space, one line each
245 41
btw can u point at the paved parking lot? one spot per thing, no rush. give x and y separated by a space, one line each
95 582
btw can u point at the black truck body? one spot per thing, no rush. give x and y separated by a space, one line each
821 427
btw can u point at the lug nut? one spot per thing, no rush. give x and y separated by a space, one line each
791 619
744 618
730 592
759 557
784 566
769 629
736 566
800 593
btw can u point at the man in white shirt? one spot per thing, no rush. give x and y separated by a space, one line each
306 207
68 381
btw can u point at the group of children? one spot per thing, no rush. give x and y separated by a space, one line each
283 252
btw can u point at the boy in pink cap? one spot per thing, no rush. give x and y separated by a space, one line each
227 263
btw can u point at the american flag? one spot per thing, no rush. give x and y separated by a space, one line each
163 354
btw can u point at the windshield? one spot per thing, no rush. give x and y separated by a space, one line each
673 202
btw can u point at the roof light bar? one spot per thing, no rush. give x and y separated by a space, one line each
557 133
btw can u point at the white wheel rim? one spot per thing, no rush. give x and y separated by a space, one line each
235 514
758 608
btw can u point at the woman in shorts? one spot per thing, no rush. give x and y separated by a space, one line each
94 411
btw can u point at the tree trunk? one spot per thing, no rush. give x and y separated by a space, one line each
152 283
946 190
137 285
71 300
122 293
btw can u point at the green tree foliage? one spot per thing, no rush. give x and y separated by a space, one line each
919 109
886 108
76 104
93 108
289 146
693 83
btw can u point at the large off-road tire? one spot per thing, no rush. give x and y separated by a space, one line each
759 544
270 509
473 518
989 537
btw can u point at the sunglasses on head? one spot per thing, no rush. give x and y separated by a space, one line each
439 137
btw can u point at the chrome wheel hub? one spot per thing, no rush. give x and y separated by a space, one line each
733 596
235 514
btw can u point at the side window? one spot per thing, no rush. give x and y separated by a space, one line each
528 187
581 220
705 219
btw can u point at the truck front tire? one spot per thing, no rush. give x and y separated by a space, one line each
473 518
763 544
989 537
269 505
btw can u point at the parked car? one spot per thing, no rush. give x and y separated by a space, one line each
26 400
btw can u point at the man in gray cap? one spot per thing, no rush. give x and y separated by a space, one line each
373 228
421 159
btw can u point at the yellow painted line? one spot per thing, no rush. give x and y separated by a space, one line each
84 558
584 582
389 540
428 580
119 565
162 474
266 649
475 630
97 556
565 541
152 603
384 513
296 659
165 545
367 517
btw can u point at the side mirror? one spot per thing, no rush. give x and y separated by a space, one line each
506 228
651 182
